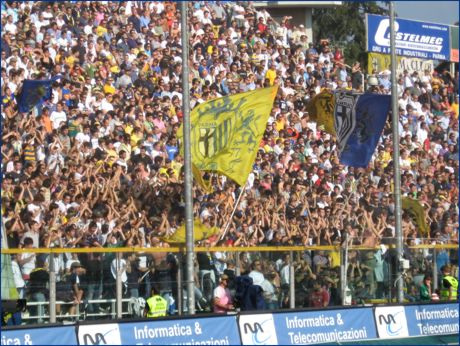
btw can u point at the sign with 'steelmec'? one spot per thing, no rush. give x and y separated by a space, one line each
412 38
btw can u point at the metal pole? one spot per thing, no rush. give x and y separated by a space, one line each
237 264
397 171
187 162
243 189
291 282
435 270
345 266
343 274
119 286
179 284
52 283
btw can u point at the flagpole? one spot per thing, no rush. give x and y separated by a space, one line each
189 241
233 212
396 168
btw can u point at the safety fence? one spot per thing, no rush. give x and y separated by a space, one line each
352 275
339 325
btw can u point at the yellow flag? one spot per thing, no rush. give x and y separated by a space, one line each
415 209
206 185
379 62
226 132
200 231
321 110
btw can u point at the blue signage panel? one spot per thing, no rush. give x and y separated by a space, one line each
315 327
204 331
40 336
436 319
413 39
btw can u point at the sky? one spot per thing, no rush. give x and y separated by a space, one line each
441 12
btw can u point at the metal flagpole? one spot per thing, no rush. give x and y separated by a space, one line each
397 171
243 189
189 241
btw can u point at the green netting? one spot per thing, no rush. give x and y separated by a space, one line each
9 290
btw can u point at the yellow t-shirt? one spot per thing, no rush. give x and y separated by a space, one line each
100 30
70 60
455 109
335 258
112 156
109 89
271 75
135 138
280 124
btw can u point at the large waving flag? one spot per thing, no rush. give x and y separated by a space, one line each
321 110
416 211
226 133
359 122
34 92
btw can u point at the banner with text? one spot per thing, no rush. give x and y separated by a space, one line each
439 319
310 327
381 62
204 331
40 336
413 39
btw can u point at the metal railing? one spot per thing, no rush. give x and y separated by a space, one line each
351 281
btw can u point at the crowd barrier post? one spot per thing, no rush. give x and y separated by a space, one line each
179 284
435 269
343 269
291 282
119 285
342 275
52 288
237 263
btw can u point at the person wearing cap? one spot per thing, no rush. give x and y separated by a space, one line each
75 280
156 305
449 284
222 299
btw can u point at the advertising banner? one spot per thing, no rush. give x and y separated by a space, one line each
257 329
436 319
310 327
99 334
382 62
40 336
413 39
391 322
204 331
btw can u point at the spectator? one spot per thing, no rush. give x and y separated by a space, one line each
319 297
222 299
425 289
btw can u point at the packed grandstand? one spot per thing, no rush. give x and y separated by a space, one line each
98 165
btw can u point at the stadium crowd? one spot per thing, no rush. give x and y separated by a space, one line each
99 165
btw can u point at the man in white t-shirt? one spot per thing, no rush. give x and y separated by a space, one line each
58 116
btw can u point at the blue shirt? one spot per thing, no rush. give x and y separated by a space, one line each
171 151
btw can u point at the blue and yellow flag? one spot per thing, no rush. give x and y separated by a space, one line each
359 120
226 132
200 232
33 93
321 110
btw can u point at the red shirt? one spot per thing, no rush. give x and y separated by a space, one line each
319 299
